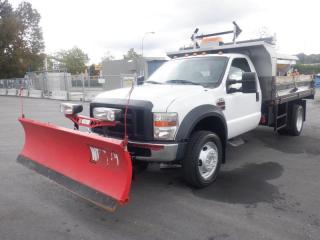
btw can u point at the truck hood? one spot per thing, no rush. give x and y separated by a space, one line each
161 96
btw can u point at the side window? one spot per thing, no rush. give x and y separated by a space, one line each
238 66
235 73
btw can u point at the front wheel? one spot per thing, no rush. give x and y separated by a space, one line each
140 166
203 159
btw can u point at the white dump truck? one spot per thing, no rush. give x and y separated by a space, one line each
187 111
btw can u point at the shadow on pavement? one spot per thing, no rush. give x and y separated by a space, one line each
245 185
288 144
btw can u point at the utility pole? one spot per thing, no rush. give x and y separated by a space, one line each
144 36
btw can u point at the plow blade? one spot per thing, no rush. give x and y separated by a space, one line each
96 168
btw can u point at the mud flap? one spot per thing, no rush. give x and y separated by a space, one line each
96 168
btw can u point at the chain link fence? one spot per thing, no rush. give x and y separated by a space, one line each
63 85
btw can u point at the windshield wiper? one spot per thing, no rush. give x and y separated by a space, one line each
153 82
182 82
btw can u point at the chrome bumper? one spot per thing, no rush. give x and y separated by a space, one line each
159 152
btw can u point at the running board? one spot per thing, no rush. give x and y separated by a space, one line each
236 142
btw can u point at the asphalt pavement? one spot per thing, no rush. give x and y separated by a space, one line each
268 189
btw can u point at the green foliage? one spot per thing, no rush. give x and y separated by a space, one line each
131 54
308 59
21 41
74 60
308 69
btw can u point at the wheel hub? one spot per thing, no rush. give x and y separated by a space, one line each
299 121
208 159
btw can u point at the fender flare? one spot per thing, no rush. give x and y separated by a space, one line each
195 116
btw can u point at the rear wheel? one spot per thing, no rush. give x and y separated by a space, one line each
203 159
297 120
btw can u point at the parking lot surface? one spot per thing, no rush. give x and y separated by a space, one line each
269 189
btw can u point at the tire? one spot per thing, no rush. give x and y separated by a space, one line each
140 166
203 145
296 121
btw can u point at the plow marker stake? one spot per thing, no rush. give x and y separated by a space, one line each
96 168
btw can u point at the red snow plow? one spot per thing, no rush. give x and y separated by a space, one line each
96 168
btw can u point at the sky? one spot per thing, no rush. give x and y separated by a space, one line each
99 27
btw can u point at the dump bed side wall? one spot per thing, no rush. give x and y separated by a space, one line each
267 88
264 60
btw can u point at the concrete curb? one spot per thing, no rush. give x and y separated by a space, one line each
12 92
35 93
59 95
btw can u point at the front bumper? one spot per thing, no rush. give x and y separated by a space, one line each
158 152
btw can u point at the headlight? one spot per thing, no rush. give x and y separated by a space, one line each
106 114
165 125
70 108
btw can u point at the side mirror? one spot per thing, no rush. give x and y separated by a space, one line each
249 84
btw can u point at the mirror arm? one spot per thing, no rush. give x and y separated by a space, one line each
230 81
233 90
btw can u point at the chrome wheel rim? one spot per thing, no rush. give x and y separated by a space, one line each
299 121
208 160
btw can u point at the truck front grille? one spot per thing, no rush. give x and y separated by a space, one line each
139 122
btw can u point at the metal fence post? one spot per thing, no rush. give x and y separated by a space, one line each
66 84
89 77
82 87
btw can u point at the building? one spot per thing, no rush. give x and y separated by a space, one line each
120 73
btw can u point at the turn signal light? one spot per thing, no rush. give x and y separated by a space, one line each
165 124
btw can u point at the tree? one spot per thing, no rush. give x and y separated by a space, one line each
308 59
21 41
131 54
308 69
74 60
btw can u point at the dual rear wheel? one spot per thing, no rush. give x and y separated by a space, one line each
295 121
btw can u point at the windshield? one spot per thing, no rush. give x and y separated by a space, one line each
205 71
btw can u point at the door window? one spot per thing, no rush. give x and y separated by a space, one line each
238 66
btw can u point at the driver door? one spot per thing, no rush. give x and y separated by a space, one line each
243 110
